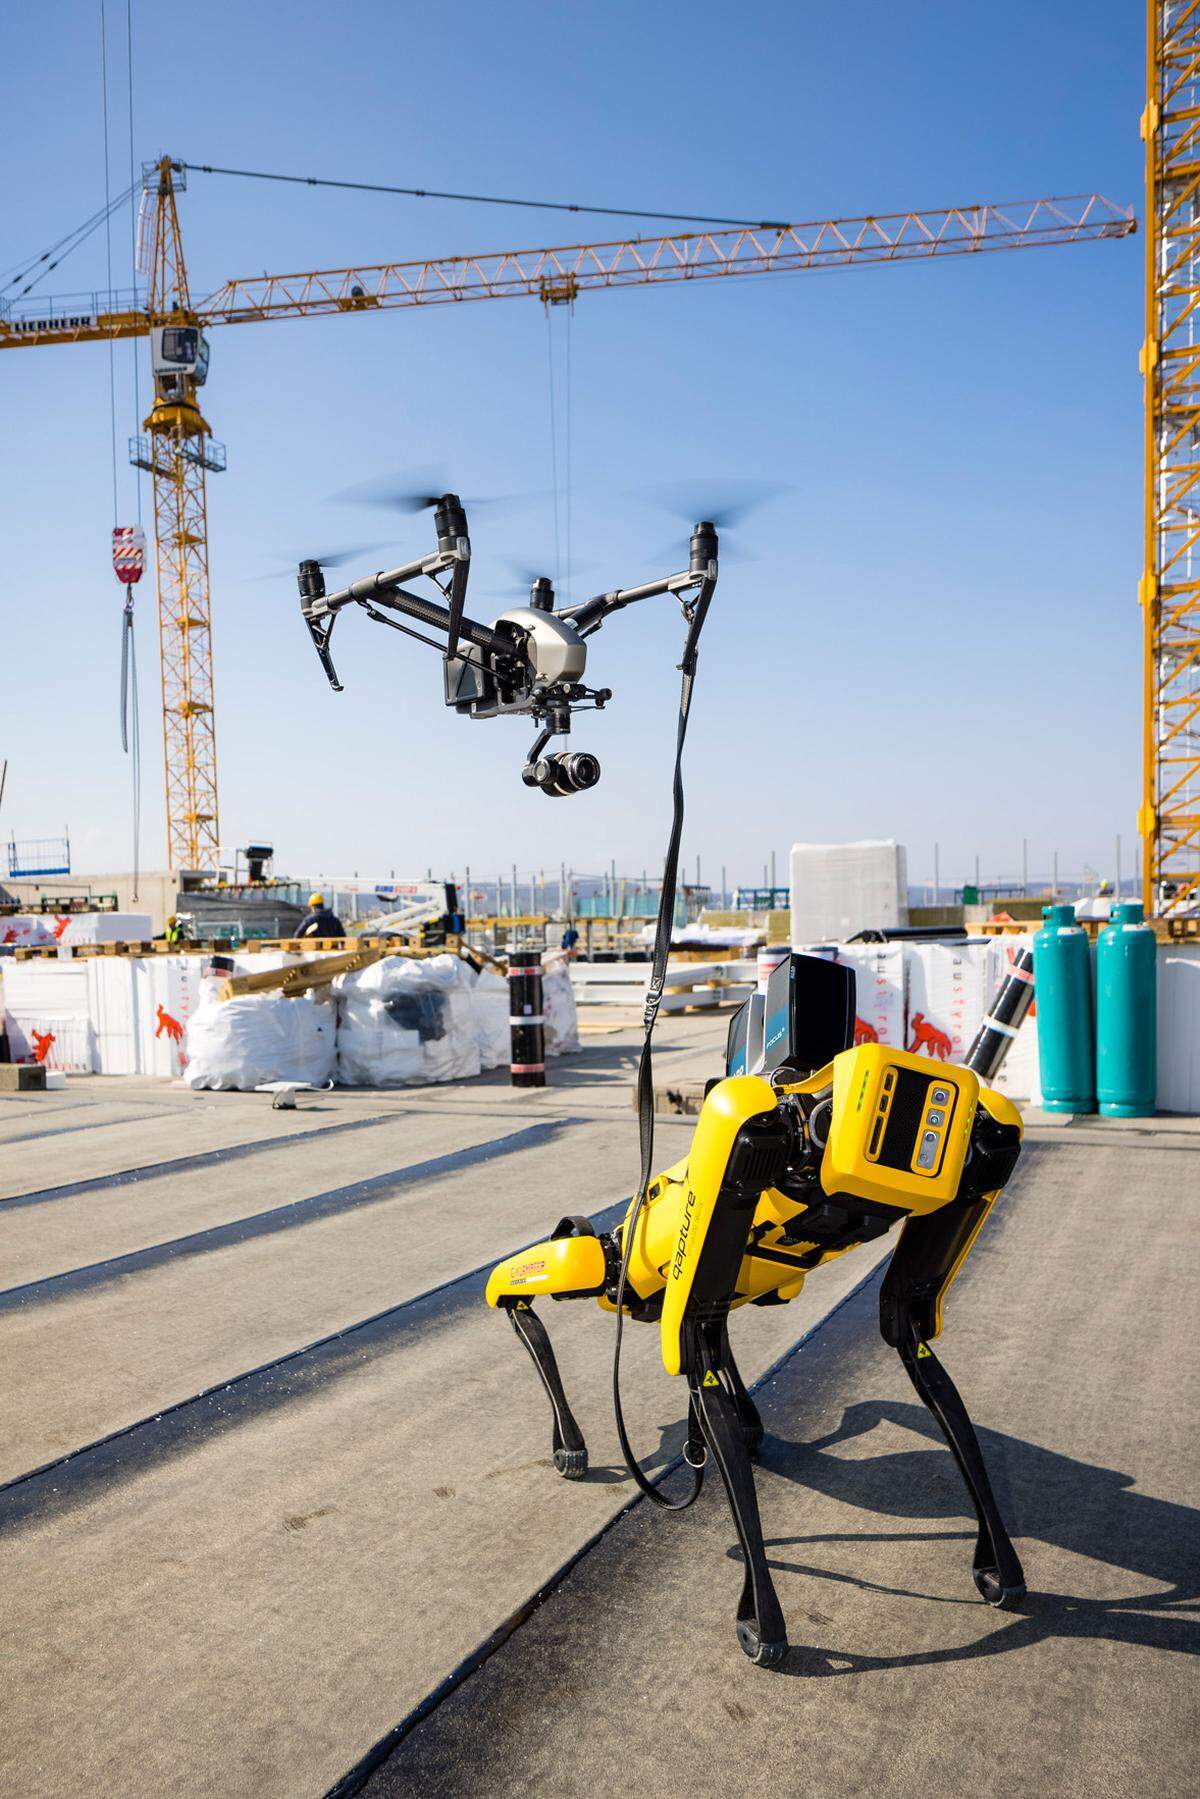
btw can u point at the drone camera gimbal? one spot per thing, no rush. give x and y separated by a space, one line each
531 660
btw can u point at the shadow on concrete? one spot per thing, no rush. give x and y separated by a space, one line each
1087 1510
671 1439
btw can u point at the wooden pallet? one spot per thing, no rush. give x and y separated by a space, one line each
85 951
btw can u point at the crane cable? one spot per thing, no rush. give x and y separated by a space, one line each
562 542
567 409
134 713
432 193
558 586
80 233
130 731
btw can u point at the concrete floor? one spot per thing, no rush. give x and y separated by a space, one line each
274 1471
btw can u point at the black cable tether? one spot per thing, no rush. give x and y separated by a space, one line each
645 1080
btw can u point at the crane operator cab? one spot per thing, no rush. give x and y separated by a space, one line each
177 351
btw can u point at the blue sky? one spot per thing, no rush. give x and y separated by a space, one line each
933 634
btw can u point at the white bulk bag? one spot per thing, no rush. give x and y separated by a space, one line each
407 1020
243 1042
558 1007
492 1028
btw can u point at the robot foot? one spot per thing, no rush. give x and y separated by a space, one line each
763 1655
572 1464
992 1589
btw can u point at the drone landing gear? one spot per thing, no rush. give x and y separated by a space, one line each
730 1425
929 1252
569 1449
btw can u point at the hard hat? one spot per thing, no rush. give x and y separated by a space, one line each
316 899
172 919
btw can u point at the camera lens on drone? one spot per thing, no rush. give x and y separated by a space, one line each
582 770
568 772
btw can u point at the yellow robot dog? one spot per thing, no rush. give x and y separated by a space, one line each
791 1165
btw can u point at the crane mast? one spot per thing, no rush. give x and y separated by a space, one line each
179 452
1169 816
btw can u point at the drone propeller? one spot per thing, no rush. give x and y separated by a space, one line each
417 491
726 504
331 559
525 572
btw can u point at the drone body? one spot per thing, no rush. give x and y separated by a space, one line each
531 660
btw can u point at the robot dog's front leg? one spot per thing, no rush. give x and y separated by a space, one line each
568 1447
928 1256
761 1630
749 1422
572 1264
740 1148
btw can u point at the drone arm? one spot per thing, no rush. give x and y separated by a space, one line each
700 574
589 615
428 612
385 589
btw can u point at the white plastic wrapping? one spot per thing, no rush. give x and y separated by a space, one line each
141 1007
1179 1027
841 888
47 1015
257 1037
402 1021
948 990
29 930
1018 1077
492 1028
105 927
558 1007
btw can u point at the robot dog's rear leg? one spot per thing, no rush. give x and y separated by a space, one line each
761 1630
997 1569
570 1450
930 1251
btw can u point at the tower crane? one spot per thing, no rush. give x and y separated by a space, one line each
1169 818
178 449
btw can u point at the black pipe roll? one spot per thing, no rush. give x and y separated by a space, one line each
526 1019
1010 1003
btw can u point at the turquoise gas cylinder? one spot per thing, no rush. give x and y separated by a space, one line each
1126 1015
1062 976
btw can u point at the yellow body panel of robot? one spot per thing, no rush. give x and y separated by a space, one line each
563 1266
1004 1112
900 1128
725 1111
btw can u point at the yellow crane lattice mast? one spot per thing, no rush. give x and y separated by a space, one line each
179 452
1169 819
178 448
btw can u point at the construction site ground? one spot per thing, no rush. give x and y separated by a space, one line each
273 1478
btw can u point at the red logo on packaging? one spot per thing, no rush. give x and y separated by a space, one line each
170 1025
927 1037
